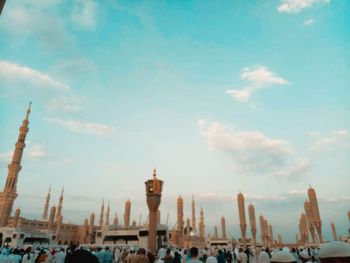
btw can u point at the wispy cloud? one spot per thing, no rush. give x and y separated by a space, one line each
258 78
339 137
295 6
13 73
84 13
309 22
37 152
65 104
83 127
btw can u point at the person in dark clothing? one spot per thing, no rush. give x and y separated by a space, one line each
168 258
81 256
221 257
177 257
229 257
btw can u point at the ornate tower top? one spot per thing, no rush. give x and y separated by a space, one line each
154 186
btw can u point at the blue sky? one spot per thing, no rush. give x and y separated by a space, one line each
219 96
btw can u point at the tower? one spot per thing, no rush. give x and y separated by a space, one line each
47 203
58 228
194 228
91 227
241 210
59 207
252 221
262 229
223 228
334 232
201 225
216 236
310 220
188 233
180 220
315 212
16 217
115 220
107 214
127 213
52 217
9 194
154 189
100 222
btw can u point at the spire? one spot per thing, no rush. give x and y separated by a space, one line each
9 194
107 214
102 213
59 208
193 215
47 204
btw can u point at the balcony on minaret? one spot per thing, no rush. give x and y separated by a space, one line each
154 186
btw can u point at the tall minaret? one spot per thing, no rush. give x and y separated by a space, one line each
180 221
188 233
127 213
8 196
241 210
100 222
223 228
52 217
91 227
201 225
310 220
334 232
262 229
47 204
216 236
59 207
252 221
115 220
194 228
107 214
315 212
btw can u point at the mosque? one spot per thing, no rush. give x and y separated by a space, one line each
16 230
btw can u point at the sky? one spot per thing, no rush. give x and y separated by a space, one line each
218 96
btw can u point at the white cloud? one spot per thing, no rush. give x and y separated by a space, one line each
309 22
83 127
295 6
65 104
252 151
295 170
84 13
5 157
339 137
74 67
21 75
24 19
37 151
258 78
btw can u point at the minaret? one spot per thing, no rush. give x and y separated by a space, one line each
52 217
334 232
180 220
8 196
271 234
303 231
16 217
201 225
158 217
154 188
216 236
223 228
58 228
194 228
252 221
47 204
115 220
100 222
91 227
188 233
59 207
242 221
86 231
127 213
315 212
107 214
310 220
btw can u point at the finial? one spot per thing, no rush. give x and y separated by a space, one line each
62 190
28 110
154 173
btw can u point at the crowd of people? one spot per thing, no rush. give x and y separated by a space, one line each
333 252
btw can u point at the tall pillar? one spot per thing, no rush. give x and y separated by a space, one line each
334 232
223 228
47 204
115 220
310 220
252 221
154 189
52 217
100 222
216 236
201 225
188 233
315 212
262 229
86 231
127 213
194 228
107 214
91 227
58 228
9 194
59 207
16 217
242 220
180 220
